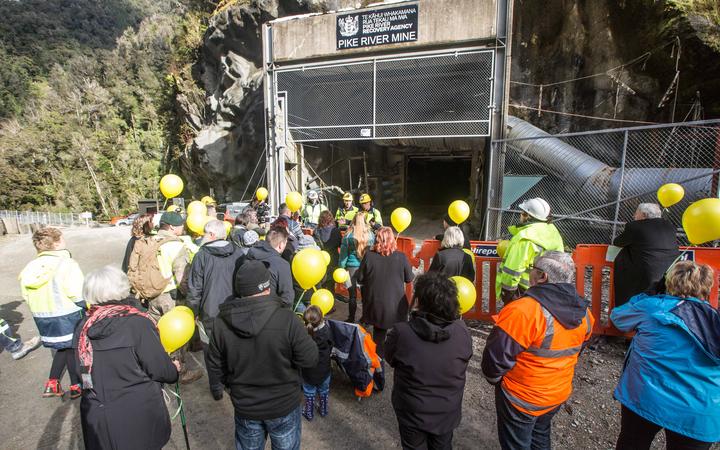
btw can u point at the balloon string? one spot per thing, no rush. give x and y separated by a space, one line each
314 289
299 300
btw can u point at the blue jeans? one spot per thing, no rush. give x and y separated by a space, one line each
284 432
9 342
520 431
323 388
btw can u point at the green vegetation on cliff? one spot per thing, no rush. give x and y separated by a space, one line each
87 99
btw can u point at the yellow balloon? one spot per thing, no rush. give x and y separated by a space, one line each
172 208
171 185
207 200
261 194
669 194
228 228
400 219
701 221
458 211
323 299
176 327
186 310
308 267
196 207
466 293
326 257
294 201
196 223
502 247
340 275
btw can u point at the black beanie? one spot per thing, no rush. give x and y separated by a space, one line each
251 278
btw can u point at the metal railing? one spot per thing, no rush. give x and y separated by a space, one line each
595 180
43 218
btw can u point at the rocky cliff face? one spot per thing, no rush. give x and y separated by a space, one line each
552 42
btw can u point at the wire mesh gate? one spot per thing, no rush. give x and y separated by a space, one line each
423 95
594 181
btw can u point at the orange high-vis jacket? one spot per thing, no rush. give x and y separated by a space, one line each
541 378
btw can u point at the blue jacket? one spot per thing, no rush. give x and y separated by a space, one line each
672 369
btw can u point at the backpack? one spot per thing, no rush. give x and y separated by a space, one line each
144 272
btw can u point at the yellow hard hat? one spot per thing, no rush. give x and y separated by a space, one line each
207 200
347 196
172 208
365 198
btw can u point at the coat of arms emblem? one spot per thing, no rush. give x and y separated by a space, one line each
349 25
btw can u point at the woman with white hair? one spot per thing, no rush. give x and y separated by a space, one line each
122 364
452 260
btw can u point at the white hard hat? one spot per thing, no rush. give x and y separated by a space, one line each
312 195
536 207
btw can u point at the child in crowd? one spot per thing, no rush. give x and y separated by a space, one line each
52 286
316 380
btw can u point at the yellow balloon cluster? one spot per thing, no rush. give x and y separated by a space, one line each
196 222
323 299
466 293
176 327
400 219
701 221
458 211
171 186
308 267
294 201
196 207
669 194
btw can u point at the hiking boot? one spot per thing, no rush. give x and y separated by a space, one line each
27 347
190 376
323 405
75 391
308 410
53 388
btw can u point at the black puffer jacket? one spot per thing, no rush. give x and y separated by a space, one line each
453 262
430 358
257 349
211 278
125 409
316 375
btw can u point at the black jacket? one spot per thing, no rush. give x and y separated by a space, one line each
383 281
281 277
452 262
330 240
125 409
649 247
316 375
211 277
257 349
430 357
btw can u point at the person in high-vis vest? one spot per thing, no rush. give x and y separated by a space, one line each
52 284
531 353
531 238
345 214
311 210
374 218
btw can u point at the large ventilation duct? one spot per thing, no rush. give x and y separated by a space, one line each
585 175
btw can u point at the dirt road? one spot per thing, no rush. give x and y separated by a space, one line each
591 420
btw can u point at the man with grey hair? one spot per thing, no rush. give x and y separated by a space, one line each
649 246
531 353
211 277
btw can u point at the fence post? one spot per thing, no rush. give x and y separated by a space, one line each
620 188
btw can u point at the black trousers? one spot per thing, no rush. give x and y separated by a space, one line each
379 335
414 439
637 433
62 359
520 431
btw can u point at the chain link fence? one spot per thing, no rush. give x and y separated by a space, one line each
594 181
419 95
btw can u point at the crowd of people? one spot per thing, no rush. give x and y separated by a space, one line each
270 350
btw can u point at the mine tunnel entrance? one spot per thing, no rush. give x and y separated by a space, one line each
433 182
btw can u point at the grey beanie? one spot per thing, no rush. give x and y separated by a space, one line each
250 238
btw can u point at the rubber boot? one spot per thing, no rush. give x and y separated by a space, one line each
323 405
308 409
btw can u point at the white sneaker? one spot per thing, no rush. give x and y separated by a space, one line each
27 347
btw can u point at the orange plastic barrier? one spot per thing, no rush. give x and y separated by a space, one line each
593 256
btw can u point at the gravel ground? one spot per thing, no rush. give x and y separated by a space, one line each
589 420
